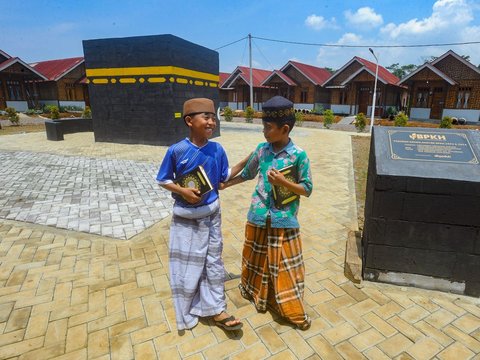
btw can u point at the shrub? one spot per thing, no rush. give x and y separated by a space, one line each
391 112
318 110
249 112
446 122
55 114
228 113
360 122
401 119
12 115
328 118
30 112
299 118
87 113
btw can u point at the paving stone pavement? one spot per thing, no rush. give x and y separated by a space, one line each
108 197
68 294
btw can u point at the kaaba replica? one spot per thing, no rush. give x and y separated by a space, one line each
137 86
422 210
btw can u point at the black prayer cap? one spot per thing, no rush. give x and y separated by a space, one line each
278 109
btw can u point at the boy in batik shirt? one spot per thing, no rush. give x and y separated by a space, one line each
273 270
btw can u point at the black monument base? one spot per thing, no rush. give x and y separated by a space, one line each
57 128
422 211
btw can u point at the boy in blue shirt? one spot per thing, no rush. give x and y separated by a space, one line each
197 273
273 270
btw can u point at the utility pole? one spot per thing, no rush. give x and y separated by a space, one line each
251 72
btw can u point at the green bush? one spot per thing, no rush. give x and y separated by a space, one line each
328 118
318 109
30 112
12 115
360 122
298 118
391 112
401 119
55 114
228 114
249 112
446 122
87 113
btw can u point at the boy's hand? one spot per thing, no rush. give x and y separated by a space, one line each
191 195
222 186
275 177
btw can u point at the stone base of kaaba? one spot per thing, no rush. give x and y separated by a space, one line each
422 211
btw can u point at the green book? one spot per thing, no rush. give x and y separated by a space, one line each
281 195
197 178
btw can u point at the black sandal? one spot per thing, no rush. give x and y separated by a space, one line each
223 324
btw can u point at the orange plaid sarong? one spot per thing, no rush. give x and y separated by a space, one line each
273 271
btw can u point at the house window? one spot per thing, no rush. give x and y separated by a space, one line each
463 96
14 90
378 98
304 96
343 98
422 97
234 96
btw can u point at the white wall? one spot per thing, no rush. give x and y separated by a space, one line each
301 106
73 103
340 109
471 115
420 113
18 105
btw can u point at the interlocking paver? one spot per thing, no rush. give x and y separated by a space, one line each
82 294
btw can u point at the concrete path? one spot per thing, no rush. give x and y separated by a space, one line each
68 294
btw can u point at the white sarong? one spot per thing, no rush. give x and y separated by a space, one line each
197 274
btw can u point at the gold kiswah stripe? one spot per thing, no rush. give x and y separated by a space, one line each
152 70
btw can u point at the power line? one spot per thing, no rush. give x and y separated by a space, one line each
261 53
233 42
366 46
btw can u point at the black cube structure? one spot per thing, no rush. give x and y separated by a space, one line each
422 210
137 86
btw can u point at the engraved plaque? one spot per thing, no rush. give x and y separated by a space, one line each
431 146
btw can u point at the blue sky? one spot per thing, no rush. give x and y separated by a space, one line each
37 30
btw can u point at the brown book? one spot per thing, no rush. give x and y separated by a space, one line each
197 178
281 195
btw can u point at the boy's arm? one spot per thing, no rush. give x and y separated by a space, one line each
231 182
239 167
189 194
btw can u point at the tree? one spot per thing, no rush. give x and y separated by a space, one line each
401 71
329 69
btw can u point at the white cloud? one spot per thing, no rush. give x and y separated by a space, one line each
319 22
365 16
447 15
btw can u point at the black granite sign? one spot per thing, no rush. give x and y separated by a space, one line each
431 146
422 208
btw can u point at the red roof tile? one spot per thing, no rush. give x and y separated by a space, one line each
223 77
258 75
55 69
382 72
281 75
317 75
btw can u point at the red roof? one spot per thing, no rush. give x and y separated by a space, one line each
258 75
223 77
8 62
382 72
55 69
317 75
281 75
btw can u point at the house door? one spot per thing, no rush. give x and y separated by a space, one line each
363 99
438 98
